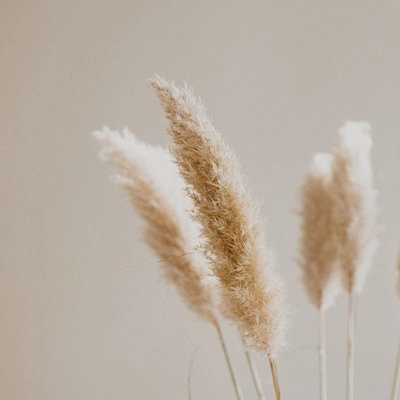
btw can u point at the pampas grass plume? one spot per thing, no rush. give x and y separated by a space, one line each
355 203
355 213
152 182
252 293
318 250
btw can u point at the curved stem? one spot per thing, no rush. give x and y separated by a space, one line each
254 374
229 362
396 378
275 379
350 346
322 355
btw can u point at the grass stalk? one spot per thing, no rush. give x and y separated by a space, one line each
275 379
322 355
350 345
255 375
235 382
396 379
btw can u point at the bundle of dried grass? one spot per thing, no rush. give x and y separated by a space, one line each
152 182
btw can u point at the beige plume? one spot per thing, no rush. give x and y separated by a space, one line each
355 213
252 293
152 182
318 250
355 203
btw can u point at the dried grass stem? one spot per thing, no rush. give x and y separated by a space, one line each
396 378
350 345
235 382
255 375
274 372
322 355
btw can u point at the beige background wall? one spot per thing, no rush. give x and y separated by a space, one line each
278 79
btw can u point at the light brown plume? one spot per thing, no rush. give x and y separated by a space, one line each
252 294
152 182
355 209
318 250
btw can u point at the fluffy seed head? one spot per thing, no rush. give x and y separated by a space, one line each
152 182
318 250
355 208
252 293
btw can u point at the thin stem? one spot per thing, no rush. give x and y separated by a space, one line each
275 379
229 362
350 345
396 379
254 374
189 378
322 355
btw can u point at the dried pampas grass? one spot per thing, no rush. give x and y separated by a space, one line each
152 182
355 213
338 232
318 250
355 203
252 294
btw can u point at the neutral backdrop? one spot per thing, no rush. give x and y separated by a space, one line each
278 78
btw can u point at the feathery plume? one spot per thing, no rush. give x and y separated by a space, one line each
152 182
318 250
355 213
355 206
252 294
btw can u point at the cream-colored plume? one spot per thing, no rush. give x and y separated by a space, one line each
152 182
355 209
252 293
318 250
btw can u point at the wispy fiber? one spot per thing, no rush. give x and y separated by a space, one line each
152 182
355 203
252 294
318 250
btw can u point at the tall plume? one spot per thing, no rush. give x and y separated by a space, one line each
152 182
355 203
318 250
252 294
